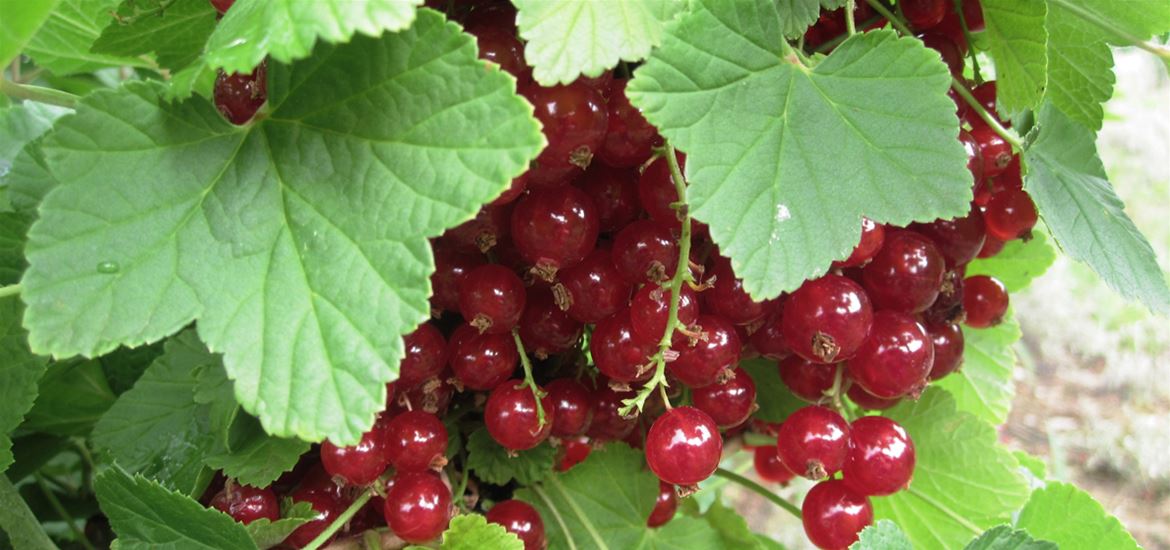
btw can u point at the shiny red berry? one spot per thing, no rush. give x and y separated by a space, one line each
656 192
239 95
491 298
358 465
645 252
827 319
593 289
985 301
872 235
246 504
924 14
489 227
813 442
555 228
511 417
834 515
608 424
222 5
451 266
948 49
617 353
629 139
896 358
327 507
769 466
683 446
728 403
574 119
806 380
416 441
546 329
727 297
959 239
572 405
881 457
418 507
713 354
426 356
650 311
868 401
664 506
498 44
906 274
948 343
996 152
974 158
573 451
768 339
1010 215
481 361
615 193
520 519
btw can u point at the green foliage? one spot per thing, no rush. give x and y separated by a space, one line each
1004 538
796 16
1019 263
19 125
174 30
21 21
267 534
62 45
145 514
495 464
731 527
1087 219
983 384
12 230
254 457
882 535
73 396
19 372
569 39
784 160
1018 39
772 395
18 522
473 532
1071 518
963 481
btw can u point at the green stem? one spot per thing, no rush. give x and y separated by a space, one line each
38 94
993 122
340 521
759 489
889 15
529 381
462 488
681 275
57 507
1109 27
967 36
835 392
21 525
850 22
10 290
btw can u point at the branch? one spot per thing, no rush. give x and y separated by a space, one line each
759 489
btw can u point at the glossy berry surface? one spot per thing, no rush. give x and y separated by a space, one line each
924 14
416 441
451 266
906 274
617 353
807 380
426 356
239 95
491 298
947 48
418 507
489 227
481 361
727 298
572 405
1010 214
768 339
645 252
728 403
615 194
834 515
959 240
546 329
683 446
985 301
628 138
246 504
869 401
574 119
656 192
327 507
520 519
593 289
813 442
768 465
607 424
650 311
498 44
896 358
664 506
872 236
948 341
573 451
881 457
511 418
703 361
358 465
827 319
974 158
996 152
555 228
222 5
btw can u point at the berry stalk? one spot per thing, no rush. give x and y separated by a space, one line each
758 489
529 381
340 521
850 22
10 290
681 275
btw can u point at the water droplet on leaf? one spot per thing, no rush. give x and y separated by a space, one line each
108 267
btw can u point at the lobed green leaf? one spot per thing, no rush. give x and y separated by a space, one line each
62 45
473 532
983 385
175 31
1018 42
1004 538
1019 263
1072 519
494 464
882 535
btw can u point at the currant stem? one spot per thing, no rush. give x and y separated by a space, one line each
340 521
1007 135
850 22
38 94
758 489
889 15
1158 50
834 393
57 507
462 488
967 36
681 276
528 379
10 290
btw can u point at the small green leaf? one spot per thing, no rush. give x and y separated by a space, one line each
73 396
174 30
267 534
493 463
983 385
783 161
963 481
569 39
286 30
473 532
731 526
1018 42
256 458
147 515
1004 538
1067 181
772 395
19 372
62 45
1018 264
1071 518
21 21
18 522
883 535
1034 464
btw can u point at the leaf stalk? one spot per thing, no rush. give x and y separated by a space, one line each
340 521
10 290
39 94
758 489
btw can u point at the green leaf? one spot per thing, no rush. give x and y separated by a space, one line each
783 161
604 502
256 458
493 463
963 481
74 394
157 429
569 39
883 535
1004 538
286 30
29 179
1034 464
21 21
772 395
18 522
146 515
287 237
983 385
63 42
23 123
473 532
267 534
796 16
1080 67
1072 519
174 30
1018 264
732 527
1141 18
1018 41
13 228
1067 181
124 366
19 372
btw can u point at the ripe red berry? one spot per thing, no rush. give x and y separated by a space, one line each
664 506
629 138
426 356
650 311
959 239
924 14
607 424
872 235
947 48
491 298
358 465
948 348
973 15
683 446
656 191
1010 214
511 418
813 442
222 5
520 519
896 358
727 298
481 361
239 95
489 227
327 507
985 301
615 193
868 401
593 289
827 319
573 452
881 457
974 159
834 515
246 504
996 152
555 228
807 380
418 506
416 441
991 247
906 274
728 403
546 329
572 405
703 361
768 340
645 252
769 466
574 119
451 266
617 353
498 44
